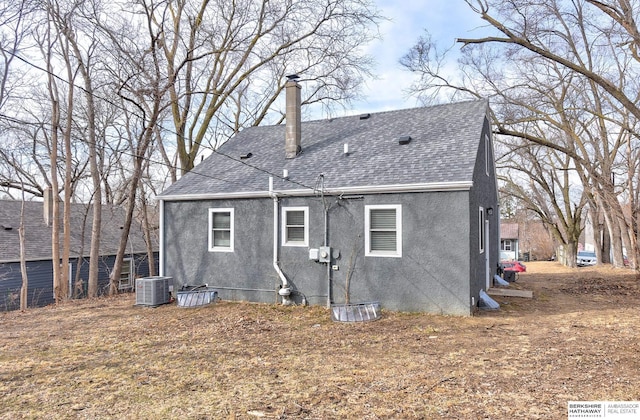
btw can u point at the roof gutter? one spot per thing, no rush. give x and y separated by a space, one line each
71 256
304 192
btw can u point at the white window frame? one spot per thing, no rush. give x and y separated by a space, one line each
487 153
481 230
128 282
367 230
285 239
229 248
507 244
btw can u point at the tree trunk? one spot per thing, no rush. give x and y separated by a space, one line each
146 225
571 254
58 292
24 290
94 253
126 229
140 153
606 243
597 234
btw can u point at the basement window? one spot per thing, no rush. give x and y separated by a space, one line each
221 230
383 230
295 226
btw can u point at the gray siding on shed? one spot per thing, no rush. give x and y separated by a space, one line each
40 275
40 291
105 265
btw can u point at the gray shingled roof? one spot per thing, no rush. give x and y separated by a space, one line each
445 139
508 231
38 234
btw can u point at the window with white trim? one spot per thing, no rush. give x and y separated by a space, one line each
487 153
506 245
383 230
481 229
221 230
295 226
125 281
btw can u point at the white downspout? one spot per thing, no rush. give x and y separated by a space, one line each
285 290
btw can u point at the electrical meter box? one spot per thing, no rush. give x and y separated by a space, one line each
324 254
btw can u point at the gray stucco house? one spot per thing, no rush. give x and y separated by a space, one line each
38 229
396 207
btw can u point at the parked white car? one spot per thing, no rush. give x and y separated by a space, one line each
586 258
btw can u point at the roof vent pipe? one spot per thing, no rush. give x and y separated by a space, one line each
293 118
404 140
346 148
285 173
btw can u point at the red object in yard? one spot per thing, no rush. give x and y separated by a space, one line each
516 266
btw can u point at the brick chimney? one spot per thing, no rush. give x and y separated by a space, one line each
293 118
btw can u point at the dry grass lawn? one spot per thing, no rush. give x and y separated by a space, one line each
577 339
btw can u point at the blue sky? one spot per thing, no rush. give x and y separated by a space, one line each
446 20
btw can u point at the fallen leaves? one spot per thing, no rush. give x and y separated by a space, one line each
576 340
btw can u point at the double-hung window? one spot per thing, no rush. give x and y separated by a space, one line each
295 226
383 230
126 275
221 230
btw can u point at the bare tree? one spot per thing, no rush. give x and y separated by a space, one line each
115 83
564 33
78 49
142 88
14 29
544 185
24 289
47 41
226 61
553 67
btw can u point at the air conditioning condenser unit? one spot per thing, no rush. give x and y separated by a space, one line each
153 291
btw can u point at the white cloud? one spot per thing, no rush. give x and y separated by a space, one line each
446 20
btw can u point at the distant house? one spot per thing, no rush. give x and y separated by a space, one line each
38 252
509 244
397 207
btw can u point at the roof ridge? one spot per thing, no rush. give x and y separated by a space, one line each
389 111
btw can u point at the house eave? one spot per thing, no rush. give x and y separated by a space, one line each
368 189
72 256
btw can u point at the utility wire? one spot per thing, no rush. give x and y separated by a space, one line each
148 159
161 163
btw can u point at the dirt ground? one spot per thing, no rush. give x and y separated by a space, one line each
576 340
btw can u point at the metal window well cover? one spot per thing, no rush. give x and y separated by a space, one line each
195 297
355 312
